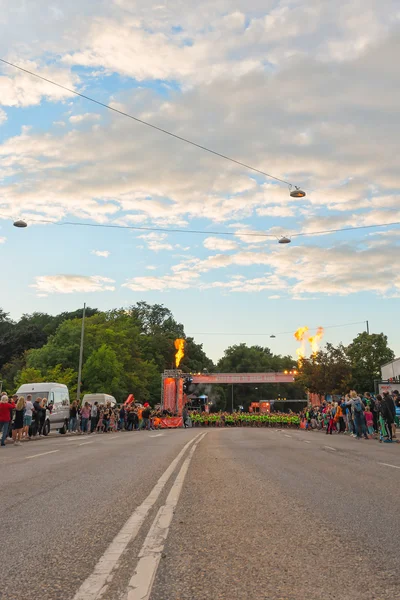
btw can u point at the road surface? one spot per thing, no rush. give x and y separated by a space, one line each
219 514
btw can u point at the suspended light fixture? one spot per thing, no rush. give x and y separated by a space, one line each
20 223
297 193
284 240
272 336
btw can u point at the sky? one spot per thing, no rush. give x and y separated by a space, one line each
306 90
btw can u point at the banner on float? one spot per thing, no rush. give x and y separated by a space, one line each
179 394
170 394
171 422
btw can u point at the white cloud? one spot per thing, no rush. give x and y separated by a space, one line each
70 284
222 244
74 119
166 282
151 268
274 297
3 240
22 89
156 241
3 116
102 253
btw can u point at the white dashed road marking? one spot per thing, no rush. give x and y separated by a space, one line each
97 583
42 454
387 465
330 448
141 583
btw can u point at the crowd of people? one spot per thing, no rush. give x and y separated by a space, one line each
363 416
366 416
21 417
243 419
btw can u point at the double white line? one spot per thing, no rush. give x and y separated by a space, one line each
142 581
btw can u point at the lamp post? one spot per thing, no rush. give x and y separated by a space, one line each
78 389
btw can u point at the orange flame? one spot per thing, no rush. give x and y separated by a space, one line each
179 345
300 336
314 339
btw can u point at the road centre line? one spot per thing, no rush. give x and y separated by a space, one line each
97 583
388 465
330 448
42 454
288 435
141 582
156 435
85 443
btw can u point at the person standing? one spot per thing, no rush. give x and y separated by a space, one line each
94 417
85 416
5 417
28 417
185 416
73 413
36 415
358 415
388 411
145 423
19 420
122 417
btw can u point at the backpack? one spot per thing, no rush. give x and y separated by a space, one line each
358 406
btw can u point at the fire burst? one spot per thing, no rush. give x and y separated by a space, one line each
179 345
315 339
300 336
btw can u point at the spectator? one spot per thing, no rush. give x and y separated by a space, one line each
121 419
5 417
85 416
73 413
185 416
19 421
42 415
145 424
36 415
94 417
28 417
388 411
369 419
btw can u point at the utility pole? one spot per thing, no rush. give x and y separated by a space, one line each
367 326
232 398
78 389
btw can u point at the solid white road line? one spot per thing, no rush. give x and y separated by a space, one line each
156 435
97 583
387 465
42 454
330 448
141 582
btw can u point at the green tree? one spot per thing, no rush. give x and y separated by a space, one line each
327 372
367 353
103 372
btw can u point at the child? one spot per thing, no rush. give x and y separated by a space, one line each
369 418
100 424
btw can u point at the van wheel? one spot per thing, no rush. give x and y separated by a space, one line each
64 428
46 428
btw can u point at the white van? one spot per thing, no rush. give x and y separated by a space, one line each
101 399
57 395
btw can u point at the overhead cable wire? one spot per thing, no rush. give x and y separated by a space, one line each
205 232
160 129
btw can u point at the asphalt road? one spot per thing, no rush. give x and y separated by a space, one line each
232 514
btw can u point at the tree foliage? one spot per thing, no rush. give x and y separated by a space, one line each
327 372
367 353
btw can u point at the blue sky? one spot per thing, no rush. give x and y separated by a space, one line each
285 86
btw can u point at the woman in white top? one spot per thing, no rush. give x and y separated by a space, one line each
27 417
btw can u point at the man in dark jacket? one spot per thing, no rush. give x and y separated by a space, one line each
388 411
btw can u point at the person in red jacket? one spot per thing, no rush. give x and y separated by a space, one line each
5 417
